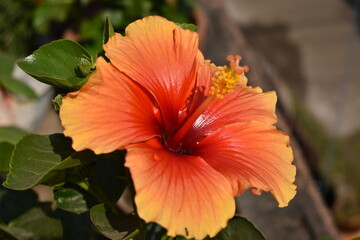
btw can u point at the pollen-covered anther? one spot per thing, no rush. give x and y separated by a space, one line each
226 78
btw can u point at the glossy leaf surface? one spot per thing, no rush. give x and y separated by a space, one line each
61 63
37 158
115 226
70 200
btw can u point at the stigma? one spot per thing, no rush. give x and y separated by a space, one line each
225 78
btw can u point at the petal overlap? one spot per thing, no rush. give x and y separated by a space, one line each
244 104
109 112
252 155
161 57
180 192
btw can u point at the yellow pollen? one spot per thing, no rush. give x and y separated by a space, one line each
225 79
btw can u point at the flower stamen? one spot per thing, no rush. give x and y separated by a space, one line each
225 79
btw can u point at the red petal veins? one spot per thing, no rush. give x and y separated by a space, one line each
182 193
108 113
161 57
244 104
252 155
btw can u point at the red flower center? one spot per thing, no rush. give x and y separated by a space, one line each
224 80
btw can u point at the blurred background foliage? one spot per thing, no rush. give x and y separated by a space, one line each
27 24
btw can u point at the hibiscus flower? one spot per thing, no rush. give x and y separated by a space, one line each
196 135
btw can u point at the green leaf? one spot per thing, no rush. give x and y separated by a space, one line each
5 156
11 134
188 26
40 222
44 158
62 63
85 66
38 158
70 200
108 30
56 102
239 228
17 87
115 226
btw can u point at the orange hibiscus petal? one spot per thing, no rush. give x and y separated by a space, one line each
244 104
180 192
252 155
161 57
108 112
